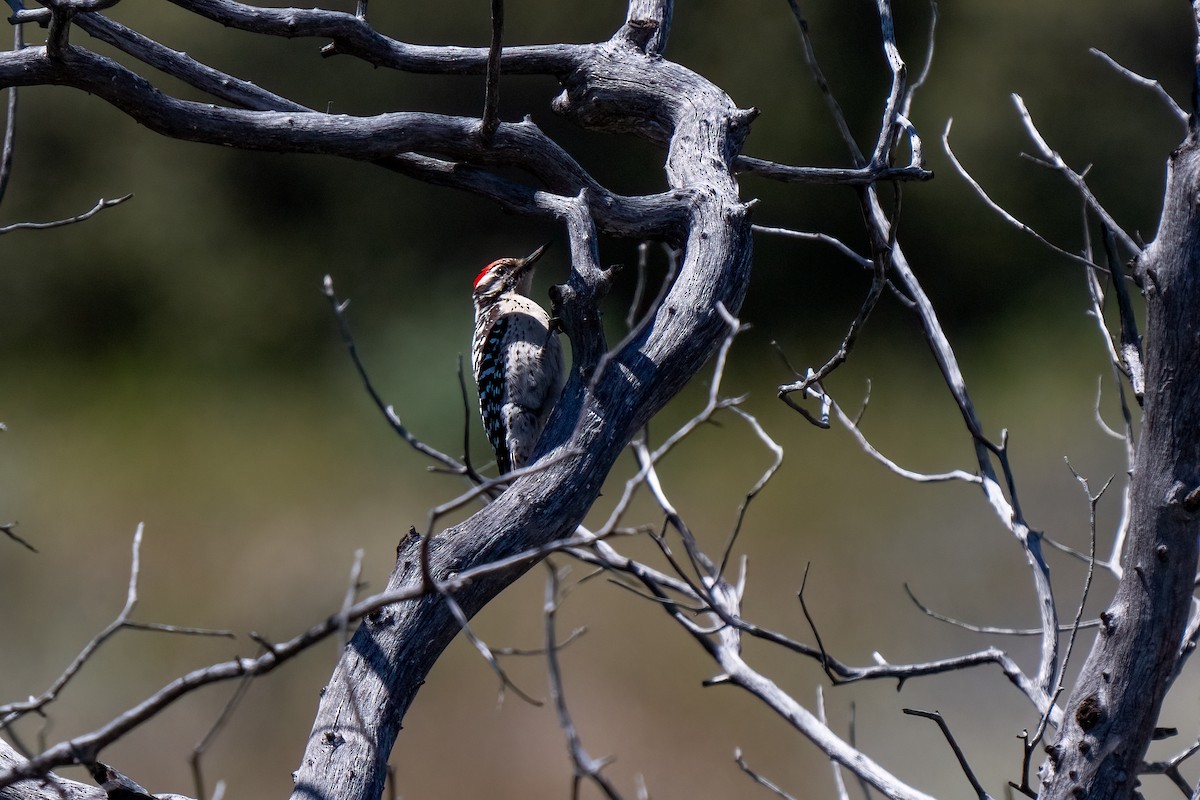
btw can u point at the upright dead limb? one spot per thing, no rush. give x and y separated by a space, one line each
1112 711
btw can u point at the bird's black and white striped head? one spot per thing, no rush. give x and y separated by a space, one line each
506 275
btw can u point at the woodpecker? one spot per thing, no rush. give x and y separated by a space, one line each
517 359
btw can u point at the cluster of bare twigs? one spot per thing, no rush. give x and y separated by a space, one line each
891 270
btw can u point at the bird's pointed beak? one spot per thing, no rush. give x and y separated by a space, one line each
529 260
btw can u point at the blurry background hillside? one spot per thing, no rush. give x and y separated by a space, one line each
172 361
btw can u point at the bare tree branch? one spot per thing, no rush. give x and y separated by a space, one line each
837 244
831 176
8 143
992 204
1170 768
375 608
1032 741
209 737
958 753
882 236
740 760
1056 161
835 109
586 767
1131 340
919 477
839 780
101 205
339 312
7 528
1154 86
11 712
441 581
491 100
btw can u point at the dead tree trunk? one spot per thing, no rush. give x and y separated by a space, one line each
1113 709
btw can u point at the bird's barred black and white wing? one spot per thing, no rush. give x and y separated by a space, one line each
517 360
490 376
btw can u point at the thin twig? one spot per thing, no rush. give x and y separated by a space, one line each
7 529
222 720
701 563
999 209
889 129
584 765
13 711
839 780
852 426
1131 340
812 626
835 109
467 418
736 327
339 312
825 238
958 753
1154 86
482 648
926 68
649 459
831 176
722 642
577 633
1031 742
639 288
1096 294
1007 509
1057 162
743 507
1097 413
10 121
988 629
881 257
491 96
101 205
86 745
1170 768
487 486
740 760
353 585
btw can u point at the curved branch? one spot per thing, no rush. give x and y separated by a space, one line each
364 138
836 176
101 205
430 147
387 660
353 35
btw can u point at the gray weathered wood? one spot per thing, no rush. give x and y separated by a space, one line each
620 87
625 85
1112 711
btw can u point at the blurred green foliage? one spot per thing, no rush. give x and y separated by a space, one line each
172 361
